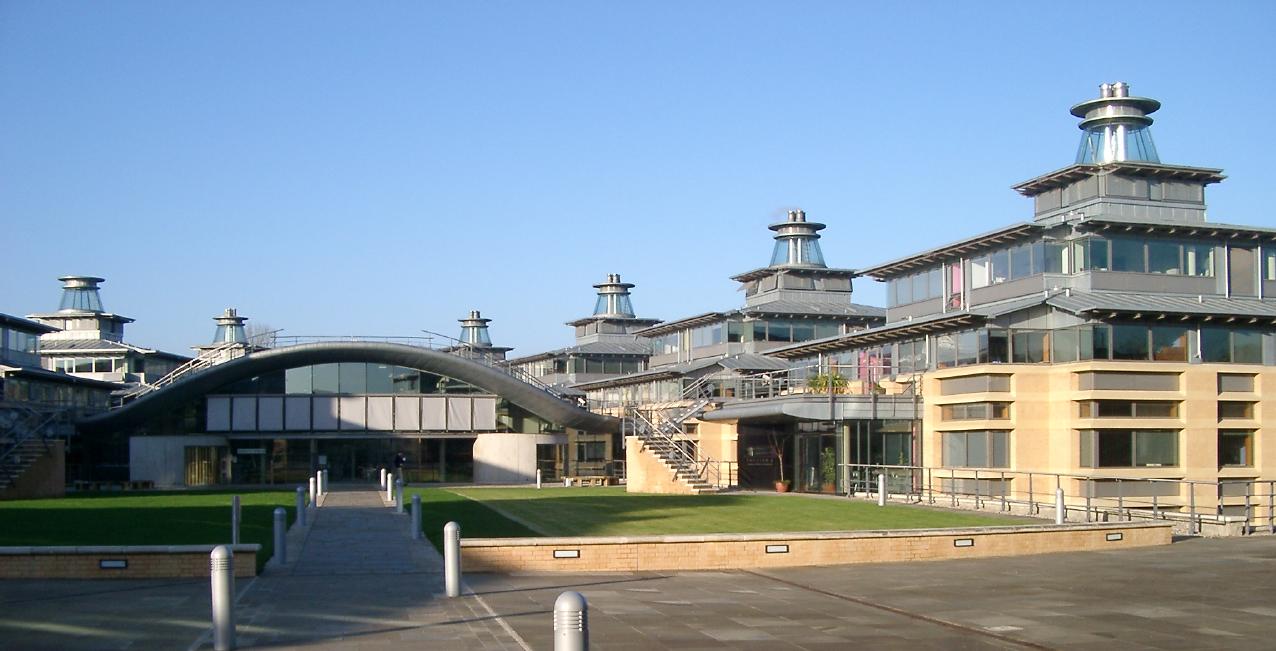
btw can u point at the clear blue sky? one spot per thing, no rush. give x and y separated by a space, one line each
379 168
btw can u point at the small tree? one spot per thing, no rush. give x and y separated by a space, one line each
778 449
825 382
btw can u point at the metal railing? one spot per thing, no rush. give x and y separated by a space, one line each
1247 505
207 359
27 424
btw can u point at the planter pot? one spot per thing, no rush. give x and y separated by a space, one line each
781 486
829 487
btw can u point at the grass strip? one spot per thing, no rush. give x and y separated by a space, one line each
440 506
151 518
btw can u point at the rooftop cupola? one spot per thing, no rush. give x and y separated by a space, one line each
1116 127
80 294
613 298
797 242
230 328
474 330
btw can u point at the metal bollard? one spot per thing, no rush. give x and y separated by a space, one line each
319 481
383 479
571 622
416 517
301 506
325 480
452 558
398 495
881 489
314 499
389 487
221 574
567 482
538 479
234 520
281 531
1059 514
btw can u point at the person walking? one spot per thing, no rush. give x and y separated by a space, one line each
399 460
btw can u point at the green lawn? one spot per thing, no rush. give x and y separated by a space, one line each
613 512
177 518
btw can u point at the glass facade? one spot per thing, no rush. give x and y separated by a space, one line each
1116 142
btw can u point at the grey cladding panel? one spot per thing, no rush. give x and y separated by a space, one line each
1240 382
1126 381
974 384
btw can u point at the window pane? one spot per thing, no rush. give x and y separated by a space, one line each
1169 344
935 282
1000 266
354 377
1064 345
980 273
945 351
919 287
1115 449
1038 258
1129 342
967 348
1127 255
999 452
1234 448
297 380
954 449
1102 336
1247 347
379 378
325 378
1029 347
1155 448
1215 345
1099 254
1163 257
1053 258
998 346
1021 261
1198 259
1087 448
977 449
1079 257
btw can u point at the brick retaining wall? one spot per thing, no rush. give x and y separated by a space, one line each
140 562
746 551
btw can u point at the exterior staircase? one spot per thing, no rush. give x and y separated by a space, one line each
24 438
206 359
658 430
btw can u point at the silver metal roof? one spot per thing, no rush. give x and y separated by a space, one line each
1151 304
814 308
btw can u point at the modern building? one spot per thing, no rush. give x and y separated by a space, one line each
87 341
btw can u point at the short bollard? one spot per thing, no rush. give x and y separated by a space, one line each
571 622
881 489
383 479
301 506
398 495
416 517
319 481
221 573
567 482
1060 515
538 479
323 479
314 499
234 520
452 558
281 532
389 487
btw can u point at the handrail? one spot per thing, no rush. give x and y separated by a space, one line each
25 430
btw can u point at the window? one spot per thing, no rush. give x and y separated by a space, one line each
1235 409
1127 255
1020 261
1235 447
1129 342
1198 259
980 273
1129 408
976 411
1169 344
1064 345
1163 257
591 450
977 449
1028 346
1000 266
994 346
1269 264
1120 448
1237 346
967 348
945 351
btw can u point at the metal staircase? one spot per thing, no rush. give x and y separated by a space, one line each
24 439
207 359
658 431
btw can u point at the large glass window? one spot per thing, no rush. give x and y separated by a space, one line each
1198 259
353 377
297 380
1235 447
980 272
1238 346
1269 263
1021 261
380 378
967 348
945 350
1000 266
1128 408
989 449
1163 257
1129 342
1169 343
1064 345
976 411
1127 255
325 378
1028 346
995 347
1129 448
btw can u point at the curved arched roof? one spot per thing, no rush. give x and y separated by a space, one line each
532 398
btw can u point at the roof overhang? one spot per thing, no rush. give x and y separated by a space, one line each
884 334
966 247
763 272
1062 177
689 322
1196 229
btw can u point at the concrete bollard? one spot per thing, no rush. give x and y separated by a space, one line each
452 558
234 520
319 481
538 479
567 482
416 517
301 506
398 495
389 487
881 489
1060 514
571 622
323 478
313 498
383 479
281 535
221 574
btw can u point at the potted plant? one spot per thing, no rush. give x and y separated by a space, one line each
828 470
826 383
